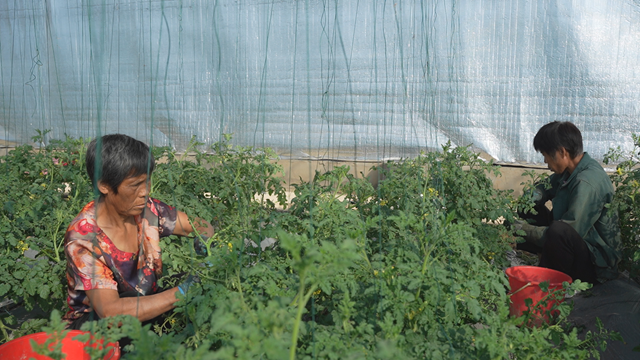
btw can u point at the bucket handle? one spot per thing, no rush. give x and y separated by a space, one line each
522 288
113 353
115 348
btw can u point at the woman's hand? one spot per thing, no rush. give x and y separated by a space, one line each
184 226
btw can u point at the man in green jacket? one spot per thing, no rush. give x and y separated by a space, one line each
580 235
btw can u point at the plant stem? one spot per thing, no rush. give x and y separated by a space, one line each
240 287
54 238
4 330
302 302
296 329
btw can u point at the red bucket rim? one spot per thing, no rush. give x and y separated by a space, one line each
510 273
70 334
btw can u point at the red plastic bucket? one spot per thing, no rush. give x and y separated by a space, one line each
525 284
20 348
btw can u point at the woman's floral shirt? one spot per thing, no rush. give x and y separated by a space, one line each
94 262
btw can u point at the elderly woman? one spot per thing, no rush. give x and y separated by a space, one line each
112 247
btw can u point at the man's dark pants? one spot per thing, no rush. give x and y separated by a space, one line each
564 249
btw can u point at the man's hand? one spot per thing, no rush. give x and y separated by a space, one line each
523 226
532 234
517 226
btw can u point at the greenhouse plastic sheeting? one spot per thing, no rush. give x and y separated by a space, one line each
332 79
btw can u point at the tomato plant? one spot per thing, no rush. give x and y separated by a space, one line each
626 180
412 268
41 190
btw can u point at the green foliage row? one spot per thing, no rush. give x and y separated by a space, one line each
626 180
41 191
409 269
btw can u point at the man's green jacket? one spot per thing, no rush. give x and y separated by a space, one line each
580 199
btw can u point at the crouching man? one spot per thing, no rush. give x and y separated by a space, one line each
580 235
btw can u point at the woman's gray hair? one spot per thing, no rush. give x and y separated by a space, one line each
121 157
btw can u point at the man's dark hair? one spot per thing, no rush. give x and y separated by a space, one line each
555 135
122 157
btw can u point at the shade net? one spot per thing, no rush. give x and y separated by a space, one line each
359 80
355 81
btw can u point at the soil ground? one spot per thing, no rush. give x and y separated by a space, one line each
617 304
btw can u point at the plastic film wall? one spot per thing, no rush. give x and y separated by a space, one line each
331 79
